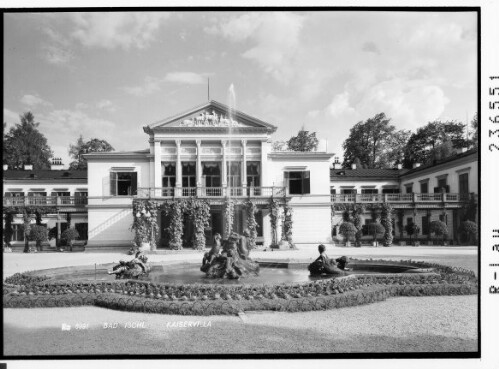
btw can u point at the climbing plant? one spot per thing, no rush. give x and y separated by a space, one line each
386 222
252 225
145 223
288 225
356 219
199 211
229 217
274 215
8 231
176 227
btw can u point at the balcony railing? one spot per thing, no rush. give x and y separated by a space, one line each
211 192
45 201
401 197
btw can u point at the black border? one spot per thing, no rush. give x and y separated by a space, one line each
388 355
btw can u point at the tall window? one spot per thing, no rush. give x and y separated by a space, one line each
17 232
37 198
65 196
82 229
464 183
348 191
169 175
253 173
188 174
259 222
424 187
441 185
211 174
81 197
390 190
123 183
14 198
234 174
425 225
298 182
408 189
369 191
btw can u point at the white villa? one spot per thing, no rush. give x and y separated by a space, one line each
218 155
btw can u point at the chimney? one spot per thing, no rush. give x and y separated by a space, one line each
5 166
354 166
336 164
28 167
416 165
399 166
56 164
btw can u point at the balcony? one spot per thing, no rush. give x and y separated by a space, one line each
403 198
211 192
59 201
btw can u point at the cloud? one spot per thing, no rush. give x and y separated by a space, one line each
370 47
340 106
34 100
116 30
274 38
9 116
149 86
153 84
189 78
58 51
106 105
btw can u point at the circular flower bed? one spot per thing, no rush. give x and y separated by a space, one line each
25 290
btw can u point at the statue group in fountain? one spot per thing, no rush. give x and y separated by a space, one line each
324 265
132 269
229 258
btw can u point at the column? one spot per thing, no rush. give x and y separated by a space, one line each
243 166
158 174
199 170
178 170
224 163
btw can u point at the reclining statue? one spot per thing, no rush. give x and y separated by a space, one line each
132 269
324 265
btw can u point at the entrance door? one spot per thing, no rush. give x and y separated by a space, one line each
216 226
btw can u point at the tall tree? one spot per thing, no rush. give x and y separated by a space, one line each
25 144
422 145
474 126
303 141
77 151
369 142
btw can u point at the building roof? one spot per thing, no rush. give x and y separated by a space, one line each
187 120
390 173
116 154
45 174
366 173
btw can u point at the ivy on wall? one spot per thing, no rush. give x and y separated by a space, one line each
386 222
176 227
145 222
288 225
252 225
229 217
274 216
199 211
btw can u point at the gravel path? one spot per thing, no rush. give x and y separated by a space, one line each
401 324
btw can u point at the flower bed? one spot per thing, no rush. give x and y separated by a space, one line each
199 299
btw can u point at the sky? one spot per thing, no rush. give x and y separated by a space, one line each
106 75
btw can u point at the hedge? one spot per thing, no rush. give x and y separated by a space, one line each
199 299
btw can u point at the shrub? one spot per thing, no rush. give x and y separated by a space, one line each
39 234
348 230
375 229
70 235
412 229
469 229
439 228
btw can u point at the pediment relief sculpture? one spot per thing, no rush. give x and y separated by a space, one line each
210 119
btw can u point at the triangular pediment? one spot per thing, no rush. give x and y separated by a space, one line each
211 114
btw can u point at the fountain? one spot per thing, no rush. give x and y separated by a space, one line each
230 259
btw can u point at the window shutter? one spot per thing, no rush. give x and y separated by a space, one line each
306 182
134 183
113 183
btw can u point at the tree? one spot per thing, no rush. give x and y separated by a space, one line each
422 145
303 141
25 144
279 145
439 228
396 148
375 229
348 230
77 151
412 229
368 141
474 126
